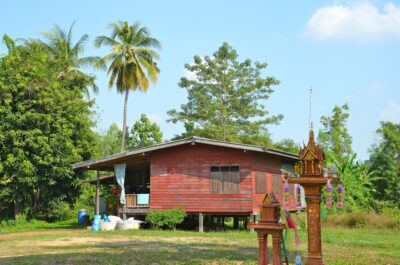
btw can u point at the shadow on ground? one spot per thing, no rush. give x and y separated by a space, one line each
139 252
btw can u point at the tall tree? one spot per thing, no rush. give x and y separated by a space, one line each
144 133
132 61
385 163
287 145
226 98
45 126
110 142
334 136
68 54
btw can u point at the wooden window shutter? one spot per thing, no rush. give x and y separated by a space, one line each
234 180
215 176
277 185
225 179
261 183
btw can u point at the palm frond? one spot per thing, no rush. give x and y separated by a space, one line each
91 61
150 42
141 78
151 69
148 53
132 61
104 40
79 45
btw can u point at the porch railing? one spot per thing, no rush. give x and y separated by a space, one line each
137 200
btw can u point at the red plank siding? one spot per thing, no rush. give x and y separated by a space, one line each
270 166
180 176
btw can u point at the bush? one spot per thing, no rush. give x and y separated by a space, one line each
364 219
166 218
56 210
12 222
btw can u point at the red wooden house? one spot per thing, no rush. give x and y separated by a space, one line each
201 175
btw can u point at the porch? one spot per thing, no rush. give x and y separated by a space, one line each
136 204
136 184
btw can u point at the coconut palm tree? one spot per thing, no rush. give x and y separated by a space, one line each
132 60
59 44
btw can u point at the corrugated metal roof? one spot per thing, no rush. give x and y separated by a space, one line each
191 140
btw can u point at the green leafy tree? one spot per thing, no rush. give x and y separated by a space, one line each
287 145
226 99
110 142
385 163
144 133
45 127
334 137
356 179
132 61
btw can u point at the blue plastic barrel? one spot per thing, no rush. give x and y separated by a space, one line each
81 214
96 223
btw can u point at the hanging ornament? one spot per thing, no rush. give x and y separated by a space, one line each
328 194
298 196
340 199
286 194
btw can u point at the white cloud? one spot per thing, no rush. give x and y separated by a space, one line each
391 112
363 22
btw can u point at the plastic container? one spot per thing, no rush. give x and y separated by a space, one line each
298 259
81 214
107 226
96 223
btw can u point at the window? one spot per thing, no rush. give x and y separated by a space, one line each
225 179
277 185
261 183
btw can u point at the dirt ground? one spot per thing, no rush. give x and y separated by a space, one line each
39 233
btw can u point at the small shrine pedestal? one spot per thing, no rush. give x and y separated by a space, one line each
268 225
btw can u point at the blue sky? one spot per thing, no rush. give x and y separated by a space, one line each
348 51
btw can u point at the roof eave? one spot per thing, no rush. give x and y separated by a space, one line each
192 140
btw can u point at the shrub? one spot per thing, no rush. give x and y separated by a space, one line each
166 218
364 219
56 210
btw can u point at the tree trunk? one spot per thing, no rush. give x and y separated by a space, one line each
37 200
124 121
17 210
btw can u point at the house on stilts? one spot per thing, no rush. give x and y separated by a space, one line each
204 176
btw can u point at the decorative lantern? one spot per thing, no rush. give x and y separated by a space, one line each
328 194
298 196
340 196
286 194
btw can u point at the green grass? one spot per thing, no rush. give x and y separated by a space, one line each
340 246
35 225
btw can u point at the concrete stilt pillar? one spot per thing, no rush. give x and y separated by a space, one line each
201 223
251 221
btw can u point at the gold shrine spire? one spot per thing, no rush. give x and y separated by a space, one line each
312 158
